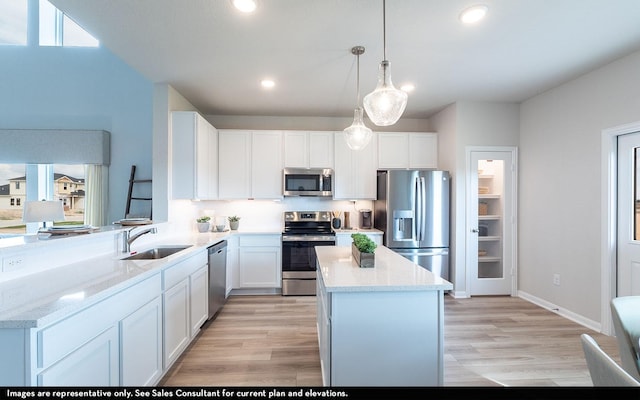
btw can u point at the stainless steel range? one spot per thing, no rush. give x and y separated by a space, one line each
303 230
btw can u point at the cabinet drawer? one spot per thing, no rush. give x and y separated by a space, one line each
183 269
260 240
65 336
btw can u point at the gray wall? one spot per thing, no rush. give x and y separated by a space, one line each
81 88
560 182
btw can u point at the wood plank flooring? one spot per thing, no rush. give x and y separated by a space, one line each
489 341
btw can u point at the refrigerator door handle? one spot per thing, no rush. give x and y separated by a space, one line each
421 209
416 209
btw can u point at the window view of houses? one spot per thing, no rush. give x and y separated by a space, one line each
68 188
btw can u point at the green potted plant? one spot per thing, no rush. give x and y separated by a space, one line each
363 249
203 223
234 222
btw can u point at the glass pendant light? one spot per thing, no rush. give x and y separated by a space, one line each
357 135
385 104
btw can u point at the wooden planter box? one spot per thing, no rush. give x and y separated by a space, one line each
364 260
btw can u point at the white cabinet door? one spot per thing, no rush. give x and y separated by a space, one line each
234 164
320 149
176 321
355 171
233 268
392 150
199 287
266 165
296 149
260 261
415 150
260 267
423 150
303 149
141 341
93 364
194 152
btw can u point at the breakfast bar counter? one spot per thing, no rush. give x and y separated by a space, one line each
379 326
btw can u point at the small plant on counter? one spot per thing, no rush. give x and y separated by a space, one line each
203 219
234 218
363 242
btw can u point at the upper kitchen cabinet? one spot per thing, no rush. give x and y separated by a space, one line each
407 150
355 171
250 164
308 149
194 150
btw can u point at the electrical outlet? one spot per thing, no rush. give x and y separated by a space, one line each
556 279
12 263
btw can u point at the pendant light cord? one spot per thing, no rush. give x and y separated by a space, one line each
358 80
384 30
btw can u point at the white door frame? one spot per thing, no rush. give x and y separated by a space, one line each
471 220
609 199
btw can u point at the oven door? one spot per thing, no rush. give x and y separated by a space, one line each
299 264
299 256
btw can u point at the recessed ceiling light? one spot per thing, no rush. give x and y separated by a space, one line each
245 6
407 87
473 14
267 83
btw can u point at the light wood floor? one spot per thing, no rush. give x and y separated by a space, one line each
489 341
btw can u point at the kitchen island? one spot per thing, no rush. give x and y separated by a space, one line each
380 326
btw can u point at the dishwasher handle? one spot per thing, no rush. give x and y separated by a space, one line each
218 247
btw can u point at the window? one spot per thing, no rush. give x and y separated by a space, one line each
57 29
13 22
11 206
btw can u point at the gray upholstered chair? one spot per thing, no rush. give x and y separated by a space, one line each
625 312
603 369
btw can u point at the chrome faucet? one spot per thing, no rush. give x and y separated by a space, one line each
127 239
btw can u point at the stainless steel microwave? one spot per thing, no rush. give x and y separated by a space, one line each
307 182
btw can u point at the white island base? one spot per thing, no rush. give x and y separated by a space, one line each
380 326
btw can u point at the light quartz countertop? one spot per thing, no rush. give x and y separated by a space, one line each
40 298
392 272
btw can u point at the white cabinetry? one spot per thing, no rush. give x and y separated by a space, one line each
141 333
344 238
199 290
194 151
87 348
355 171
260 261
407 150
304 149
94 363
233 269
250 164
180 298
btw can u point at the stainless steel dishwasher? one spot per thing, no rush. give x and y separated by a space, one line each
217 277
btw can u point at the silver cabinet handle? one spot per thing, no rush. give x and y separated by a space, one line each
475 230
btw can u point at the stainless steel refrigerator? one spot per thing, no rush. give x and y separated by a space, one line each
412 209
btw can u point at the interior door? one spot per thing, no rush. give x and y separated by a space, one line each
491 230
628 219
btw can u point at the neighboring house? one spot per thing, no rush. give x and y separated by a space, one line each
69 190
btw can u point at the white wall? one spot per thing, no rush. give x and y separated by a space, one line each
81 88
460 125
560 181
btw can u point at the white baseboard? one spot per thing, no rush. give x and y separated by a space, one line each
577 318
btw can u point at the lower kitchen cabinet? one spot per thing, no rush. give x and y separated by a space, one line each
94 363
199 298
184 301
141 343
176 315
260 261
129 338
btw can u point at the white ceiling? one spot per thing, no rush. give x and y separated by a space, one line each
216 57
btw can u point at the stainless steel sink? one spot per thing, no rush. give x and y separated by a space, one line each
157 253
